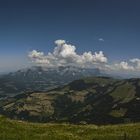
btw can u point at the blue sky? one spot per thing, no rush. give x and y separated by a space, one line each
36 24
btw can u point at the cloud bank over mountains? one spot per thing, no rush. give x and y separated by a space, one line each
65 54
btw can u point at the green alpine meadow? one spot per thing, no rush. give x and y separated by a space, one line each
19 130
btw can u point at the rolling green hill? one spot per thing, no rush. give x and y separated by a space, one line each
18 130
97 100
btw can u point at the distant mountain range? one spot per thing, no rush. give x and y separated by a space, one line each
41 79
98 100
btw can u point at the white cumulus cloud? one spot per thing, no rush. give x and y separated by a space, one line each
136 63
65 54
123 66
60 42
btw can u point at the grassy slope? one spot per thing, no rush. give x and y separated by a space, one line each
16 130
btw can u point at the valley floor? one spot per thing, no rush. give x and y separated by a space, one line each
18 130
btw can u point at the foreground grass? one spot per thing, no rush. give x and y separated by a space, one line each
16 130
